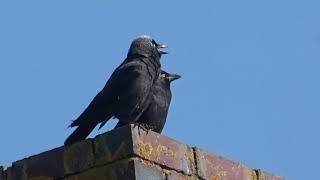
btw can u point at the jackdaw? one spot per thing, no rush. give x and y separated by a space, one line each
155 115
125 95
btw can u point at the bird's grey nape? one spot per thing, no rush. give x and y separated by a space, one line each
144 36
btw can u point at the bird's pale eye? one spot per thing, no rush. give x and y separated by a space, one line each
163 75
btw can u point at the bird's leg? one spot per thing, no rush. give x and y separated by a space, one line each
140 126
146 127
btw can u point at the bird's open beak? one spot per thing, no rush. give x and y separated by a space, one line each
173 77
160 46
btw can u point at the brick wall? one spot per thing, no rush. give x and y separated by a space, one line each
130 153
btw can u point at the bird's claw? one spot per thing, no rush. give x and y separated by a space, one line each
141 126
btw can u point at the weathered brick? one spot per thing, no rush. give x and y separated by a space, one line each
262 175
214 167
16 172
130 141
178 176
130 153
163 150
55 163
46 164
129 169
113 145
146 171
78 157
119 170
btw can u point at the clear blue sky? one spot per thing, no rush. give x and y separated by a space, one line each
250 74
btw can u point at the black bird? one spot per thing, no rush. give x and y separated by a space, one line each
155 115
125 95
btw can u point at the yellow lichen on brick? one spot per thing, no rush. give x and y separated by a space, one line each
251 173
144 162
214 178
190 155
144 149
164 150
261 176
148 163
222 173
160 149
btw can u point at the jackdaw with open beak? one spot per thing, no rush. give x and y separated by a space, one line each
126 94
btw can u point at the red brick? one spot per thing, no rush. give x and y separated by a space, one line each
215 167
178 176
130 141
163 150
113 145
146 171
130 153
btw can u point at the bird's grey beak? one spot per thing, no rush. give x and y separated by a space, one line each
160 46
173 77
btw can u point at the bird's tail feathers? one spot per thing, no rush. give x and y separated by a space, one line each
82 131
70 126
75 123
104 122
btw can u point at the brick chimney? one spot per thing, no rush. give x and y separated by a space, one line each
130 153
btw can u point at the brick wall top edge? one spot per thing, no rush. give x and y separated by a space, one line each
128 142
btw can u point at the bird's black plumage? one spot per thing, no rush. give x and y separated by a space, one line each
125 95
155 115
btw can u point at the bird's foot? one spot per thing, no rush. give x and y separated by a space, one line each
146 127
